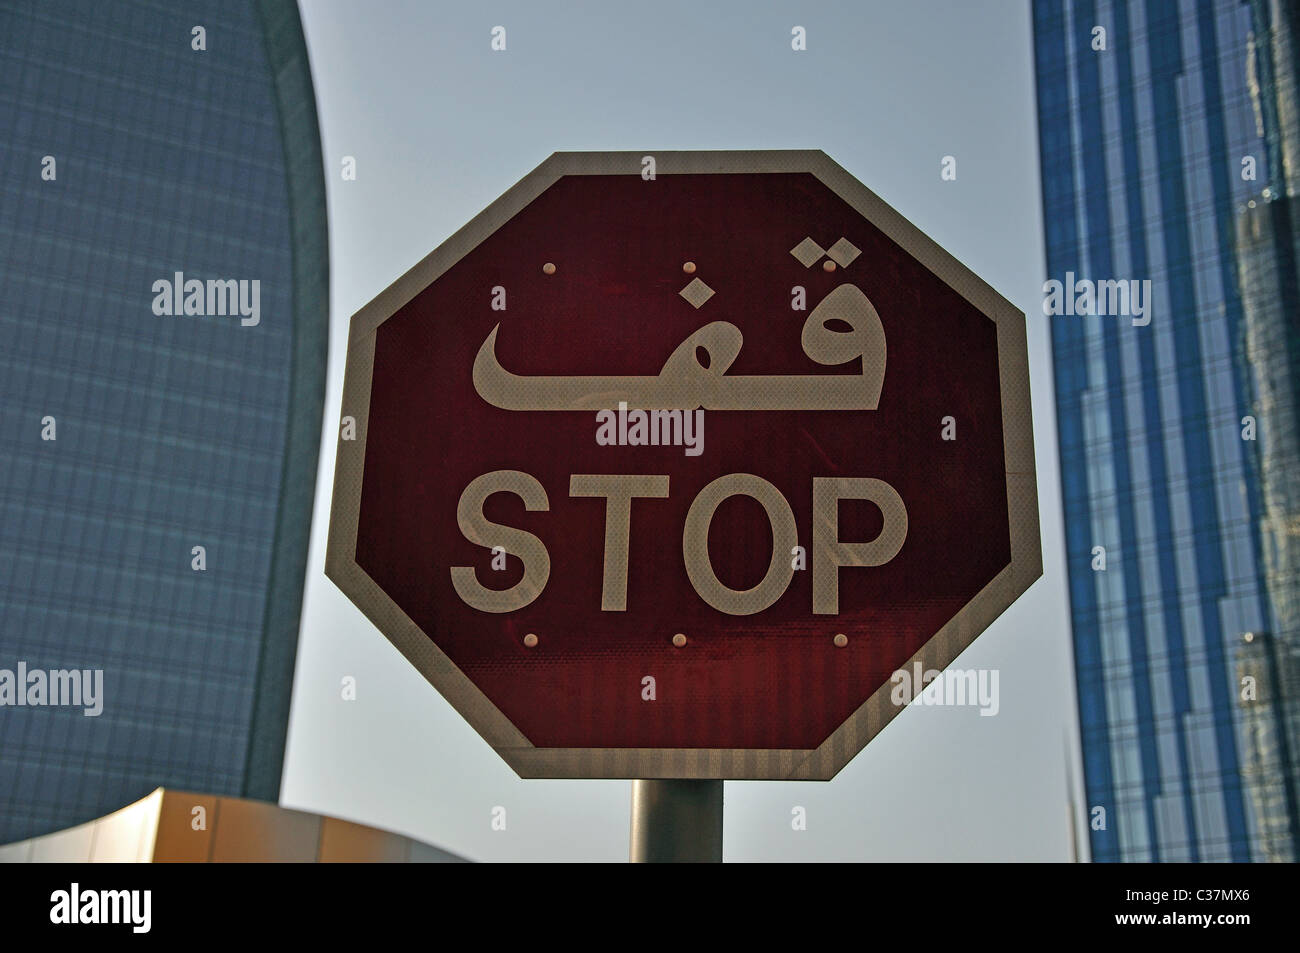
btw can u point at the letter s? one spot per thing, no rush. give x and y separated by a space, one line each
483 532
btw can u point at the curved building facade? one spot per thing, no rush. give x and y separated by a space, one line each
163 333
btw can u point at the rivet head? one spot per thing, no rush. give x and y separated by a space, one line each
828 265
530 640
548 268
840 640
689 267
679 640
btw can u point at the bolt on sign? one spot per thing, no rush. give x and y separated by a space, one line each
664 465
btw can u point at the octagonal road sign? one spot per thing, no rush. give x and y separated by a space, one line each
662 466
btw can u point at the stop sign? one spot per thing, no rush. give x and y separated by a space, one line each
663 466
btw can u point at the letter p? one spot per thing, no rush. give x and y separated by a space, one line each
830 552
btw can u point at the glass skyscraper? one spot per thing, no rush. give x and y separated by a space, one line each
163 322
1168 137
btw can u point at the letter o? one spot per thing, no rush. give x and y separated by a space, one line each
695 544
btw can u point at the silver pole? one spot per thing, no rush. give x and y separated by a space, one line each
676 821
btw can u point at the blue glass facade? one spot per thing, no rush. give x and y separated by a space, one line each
1154 131
128 154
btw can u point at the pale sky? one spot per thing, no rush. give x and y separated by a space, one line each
440 126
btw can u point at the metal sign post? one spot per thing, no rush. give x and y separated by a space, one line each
676 821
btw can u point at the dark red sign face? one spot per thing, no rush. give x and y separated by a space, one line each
695 460
612 306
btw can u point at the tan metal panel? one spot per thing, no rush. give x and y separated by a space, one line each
344 842
253 831
178 840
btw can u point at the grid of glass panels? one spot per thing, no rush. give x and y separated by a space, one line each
170 431
1142 128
